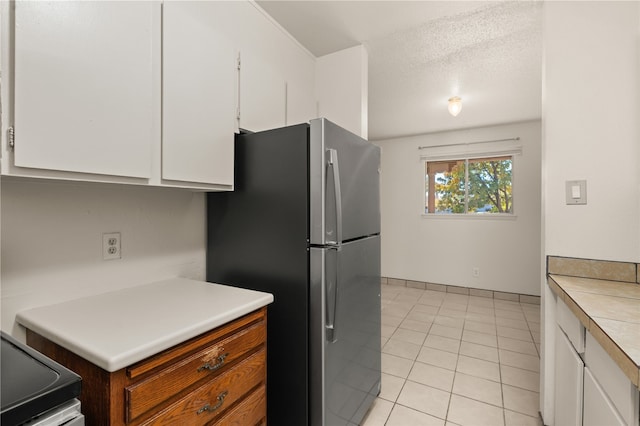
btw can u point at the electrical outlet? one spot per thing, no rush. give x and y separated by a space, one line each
475 272
111 246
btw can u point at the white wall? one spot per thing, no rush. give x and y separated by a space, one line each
591 130
342 80
591 118
52 241
445 249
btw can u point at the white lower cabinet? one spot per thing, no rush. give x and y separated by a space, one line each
613 384
590 388
568 383
571 326
598 409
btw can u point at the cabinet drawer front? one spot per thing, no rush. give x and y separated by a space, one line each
179 352
179 376
207 402
248 412
571 325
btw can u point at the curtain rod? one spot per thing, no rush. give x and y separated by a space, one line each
517 138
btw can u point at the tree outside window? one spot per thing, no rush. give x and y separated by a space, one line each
469 186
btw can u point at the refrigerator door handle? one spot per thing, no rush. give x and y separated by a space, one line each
331 293
332 162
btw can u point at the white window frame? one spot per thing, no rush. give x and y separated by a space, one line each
465 152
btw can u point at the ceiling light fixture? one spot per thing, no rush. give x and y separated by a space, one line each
455 105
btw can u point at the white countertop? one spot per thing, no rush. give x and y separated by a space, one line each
119 328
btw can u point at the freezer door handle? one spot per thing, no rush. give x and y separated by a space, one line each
332 162
331 293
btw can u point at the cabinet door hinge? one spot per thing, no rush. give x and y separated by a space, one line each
238 64
11 137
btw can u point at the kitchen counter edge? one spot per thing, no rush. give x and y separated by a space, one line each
195 307
565 287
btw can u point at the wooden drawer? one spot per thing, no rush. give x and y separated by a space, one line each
213 398
178 352
180 375
170 379
251 411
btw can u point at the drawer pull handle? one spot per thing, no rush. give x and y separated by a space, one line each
212 408
220 362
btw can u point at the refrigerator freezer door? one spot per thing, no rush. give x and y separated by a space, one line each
345 357
344 184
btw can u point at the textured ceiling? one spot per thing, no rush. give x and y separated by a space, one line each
423 52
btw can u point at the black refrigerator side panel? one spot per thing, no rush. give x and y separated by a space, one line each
257 238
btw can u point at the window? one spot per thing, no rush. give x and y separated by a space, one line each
479 185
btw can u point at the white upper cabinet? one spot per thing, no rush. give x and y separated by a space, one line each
84 87
301 106
143 92
262 94
342 80
199 90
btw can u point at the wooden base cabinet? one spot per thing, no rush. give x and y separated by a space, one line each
216 378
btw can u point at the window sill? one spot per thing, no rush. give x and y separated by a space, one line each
459 216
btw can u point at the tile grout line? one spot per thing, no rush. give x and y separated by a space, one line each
455 371
504 416
405 379
465 321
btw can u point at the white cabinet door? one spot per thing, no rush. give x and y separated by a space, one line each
301 106
84 86
598 409
262 95
614 383
199 94
568 382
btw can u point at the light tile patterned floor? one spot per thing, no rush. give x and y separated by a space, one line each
452 359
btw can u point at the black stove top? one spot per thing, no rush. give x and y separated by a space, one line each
31 382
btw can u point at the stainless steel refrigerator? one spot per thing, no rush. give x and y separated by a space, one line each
304 224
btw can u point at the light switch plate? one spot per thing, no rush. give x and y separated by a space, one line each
576 192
